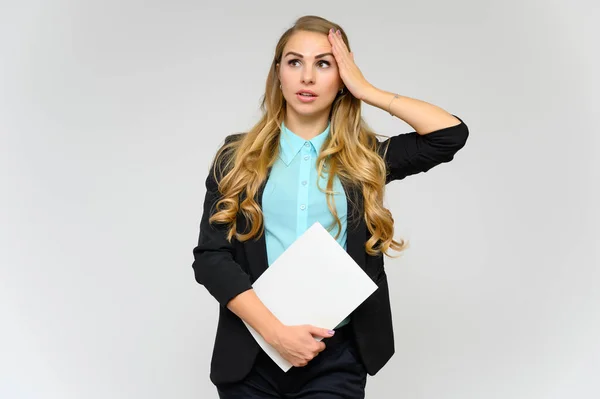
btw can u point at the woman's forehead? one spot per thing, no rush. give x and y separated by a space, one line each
308 44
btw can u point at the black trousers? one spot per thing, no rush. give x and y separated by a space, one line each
337 372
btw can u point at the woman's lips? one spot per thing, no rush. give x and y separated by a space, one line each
306 99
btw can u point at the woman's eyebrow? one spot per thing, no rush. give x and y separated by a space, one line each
301 56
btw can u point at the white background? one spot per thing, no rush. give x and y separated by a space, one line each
110 112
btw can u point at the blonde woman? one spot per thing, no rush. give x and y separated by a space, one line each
311 158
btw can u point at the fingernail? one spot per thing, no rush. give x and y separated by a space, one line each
338 32
331 30
331 332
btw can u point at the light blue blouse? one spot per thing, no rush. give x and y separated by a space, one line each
292 202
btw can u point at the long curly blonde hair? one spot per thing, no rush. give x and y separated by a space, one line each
350 152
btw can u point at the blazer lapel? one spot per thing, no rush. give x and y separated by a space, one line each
356 228
256 249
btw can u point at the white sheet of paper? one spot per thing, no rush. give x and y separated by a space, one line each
315 282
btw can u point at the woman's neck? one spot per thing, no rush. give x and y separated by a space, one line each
306 127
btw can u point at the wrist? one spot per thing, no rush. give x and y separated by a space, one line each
370 94
270 332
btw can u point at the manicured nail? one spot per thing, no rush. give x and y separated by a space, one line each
338 32
331 332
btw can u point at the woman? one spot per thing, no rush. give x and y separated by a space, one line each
311 158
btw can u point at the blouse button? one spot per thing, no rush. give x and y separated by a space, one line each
303 207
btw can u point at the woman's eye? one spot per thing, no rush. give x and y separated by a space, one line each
321 63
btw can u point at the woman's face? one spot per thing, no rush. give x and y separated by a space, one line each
307 63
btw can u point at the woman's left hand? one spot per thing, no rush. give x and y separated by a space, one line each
352 77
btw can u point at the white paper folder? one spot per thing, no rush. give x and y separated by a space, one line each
315 282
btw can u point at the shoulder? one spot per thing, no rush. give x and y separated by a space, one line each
234 137
228 145
220 162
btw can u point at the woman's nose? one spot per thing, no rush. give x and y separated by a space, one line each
308 76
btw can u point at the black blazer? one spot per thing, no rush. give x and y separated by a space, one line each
228 269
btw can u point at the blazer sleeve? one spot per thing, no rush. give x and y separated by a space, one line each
412 153
214 265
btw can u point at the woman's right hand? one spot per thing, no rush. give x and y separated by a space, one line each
297 344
